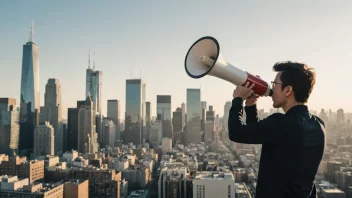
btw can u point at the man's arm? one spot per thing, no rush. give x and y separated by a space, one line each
251 114
263 131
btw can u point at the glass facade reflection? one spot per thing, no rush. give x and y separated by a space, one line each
29 99
164 114
94 88
193 124
135 111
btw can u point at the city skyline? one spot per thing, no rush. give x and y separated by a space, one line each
151 48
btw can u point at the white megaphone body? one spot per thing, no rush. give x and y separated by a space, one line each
204 58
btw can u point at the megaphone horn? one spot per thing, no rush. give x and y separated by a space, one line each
204 58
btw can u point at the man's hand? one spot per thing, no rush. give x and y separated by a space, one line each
243 91
252 100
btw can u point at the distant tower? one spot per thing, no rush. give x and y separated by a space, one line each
87 136
94 86
135 111
44 140
9 127
29 98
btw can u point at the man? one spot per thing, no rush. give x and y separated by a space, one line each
292 143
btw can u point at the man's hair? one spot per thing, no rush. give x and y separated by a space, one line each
299 76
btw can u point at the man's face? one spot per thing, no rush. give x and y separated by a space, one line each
278 96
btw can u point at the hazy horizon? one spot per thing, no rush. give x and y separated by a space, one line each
152 39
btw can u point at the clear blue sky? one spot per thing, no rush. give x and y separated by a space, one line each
154 36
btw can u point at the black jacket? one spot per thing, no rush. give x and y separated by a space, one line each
292 148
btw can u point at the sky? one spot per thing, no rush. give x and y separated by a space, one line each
151 39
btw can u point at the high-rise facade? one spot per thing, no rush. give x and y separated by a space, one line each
94 87
29 98
183 108
44 140
52 103
72 128
163 112
177 120
227 108
209 125
135 111
87 136
148 120
9 127
109 133
114 113
52 111
193 124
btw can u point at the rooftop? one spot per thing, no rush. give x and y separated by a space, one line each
209 175
334 190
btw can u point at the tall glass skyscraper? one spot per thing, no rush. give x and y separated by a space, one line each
135 111
193 125
94 86
114 113
163 111
29 99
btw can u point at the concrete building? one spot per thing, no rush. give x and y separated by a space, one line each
209 125
166 145
156 132
76 189
242 191
101 182
87 136
8 166
72 128
214 184
177 121
148 119
33 170
37 190
52 111
44 140
137 178
9 126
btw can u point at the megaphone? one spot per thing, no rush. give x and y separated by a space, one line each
204 58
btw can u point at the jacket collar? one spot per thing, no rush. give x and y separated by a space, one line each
297 109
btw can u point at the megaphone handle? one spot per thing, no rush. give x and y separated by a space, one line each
260 86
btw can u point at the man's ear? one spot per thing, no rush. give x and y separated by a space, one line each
288 90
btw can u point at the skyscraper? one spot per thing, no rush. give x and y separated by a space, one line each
227 108
183 107
52 111
52 103
209 125
114 113
148 120
164 114
94 86
109 133
72 128
44 140
9 127
87 136
135 111
193 125
29 99
177 120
